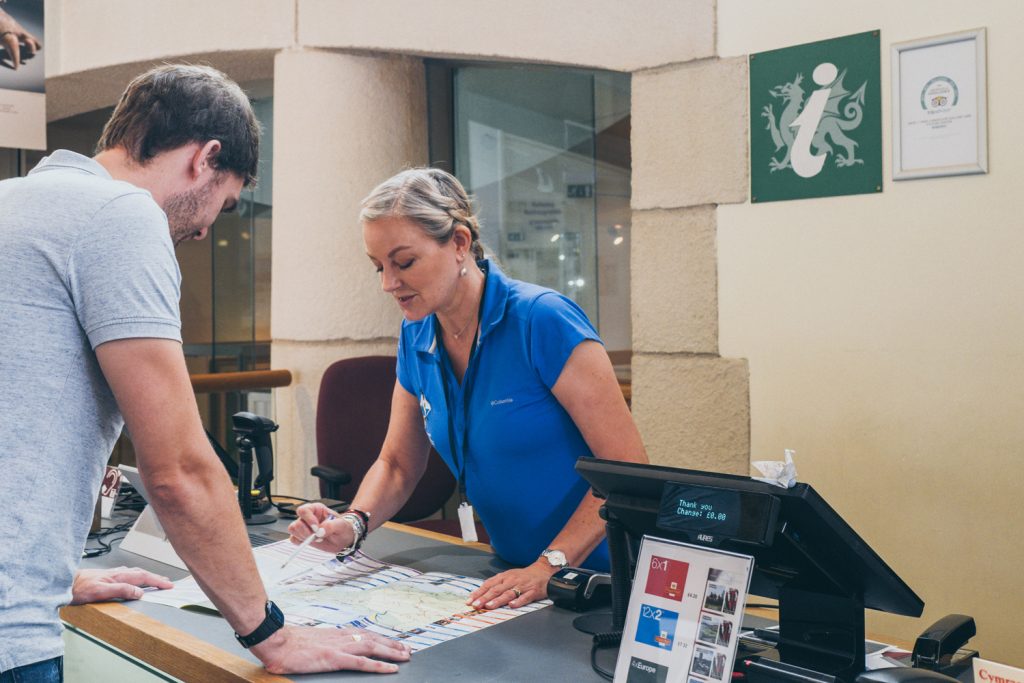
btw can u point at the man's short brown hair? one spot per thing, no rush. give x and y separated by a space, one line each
176 104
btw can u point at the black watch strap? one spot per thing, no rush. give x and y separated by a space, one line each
270 625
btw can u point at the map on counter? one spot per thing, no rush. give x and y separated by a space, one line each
317 589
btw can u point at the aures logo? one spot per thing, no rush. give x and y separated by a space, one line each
705 538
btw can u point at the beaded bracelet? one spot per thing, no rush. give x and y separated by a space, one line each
364 516
359 531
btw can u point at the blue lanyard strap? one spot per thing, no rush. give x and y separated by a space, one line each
459 449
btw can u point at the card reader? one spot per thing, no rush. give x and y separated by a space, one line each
579 589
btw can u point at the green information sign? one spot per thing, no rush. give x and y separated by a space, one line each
816 119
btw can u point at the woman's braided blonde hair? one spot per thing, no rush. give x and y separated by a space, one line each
429 197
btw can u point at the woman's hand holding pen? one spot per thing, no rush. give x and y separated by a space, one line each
337 534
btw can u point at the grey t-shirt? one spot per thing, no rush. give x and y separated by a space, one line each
84 259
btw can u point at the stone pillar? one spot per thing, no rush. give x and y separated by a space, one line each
689 155
342 124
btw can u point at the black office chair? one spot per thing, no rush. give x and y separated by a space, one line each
352 416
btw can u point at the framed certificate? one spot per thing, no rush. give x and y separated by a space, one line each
938 106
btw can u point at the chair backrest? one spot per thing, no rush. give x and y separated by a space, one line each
352 416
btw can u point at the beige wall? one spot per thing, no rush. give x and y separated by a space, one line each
104 33
94 48
690 403
333 144
609 34
883 332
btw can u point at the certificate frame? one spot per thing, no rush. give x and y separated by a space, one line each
939 106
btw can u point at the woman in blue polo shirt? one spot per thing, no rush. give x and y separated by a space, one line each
508 380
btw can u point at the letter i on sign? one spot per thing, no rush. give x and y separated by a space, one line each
805 164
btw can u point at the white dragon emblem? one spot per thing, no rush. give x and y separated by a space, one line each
843 112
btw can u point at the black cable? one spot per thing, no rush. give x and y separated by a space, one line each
290 510
603 640
761 605
284 495
103 538
280 507
129 499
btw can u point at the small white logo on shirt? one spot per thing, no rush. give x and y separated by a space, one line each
500 401
424 406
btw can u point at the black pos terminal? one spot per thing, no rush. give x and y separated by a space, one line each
805 555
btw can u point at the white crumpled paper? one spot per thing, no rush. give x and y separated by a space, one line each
776 471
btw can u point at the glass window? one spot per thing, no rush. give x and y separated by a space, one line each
546 153
225 296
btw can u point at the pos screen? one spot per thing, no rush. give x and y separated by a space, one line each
707 514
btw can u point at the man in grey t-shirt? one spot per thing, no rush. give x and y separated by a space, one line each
90 332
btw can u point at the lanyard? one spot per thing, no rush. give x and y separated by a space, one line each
459 449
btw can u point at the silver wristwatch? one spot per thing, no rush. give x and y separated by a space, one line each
556 558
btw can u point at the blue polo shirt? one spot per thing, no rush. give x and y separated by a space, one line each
521 445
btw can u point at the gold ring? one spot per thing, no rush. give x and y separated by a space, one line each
356 637
517 591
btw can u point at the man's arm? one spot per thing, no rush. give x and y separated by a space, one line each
194 499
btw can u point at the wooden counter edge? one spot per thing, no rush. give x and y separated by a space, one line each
166 649
435 536
180 654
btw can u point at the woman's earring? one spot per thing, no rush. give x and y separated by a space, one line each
462 273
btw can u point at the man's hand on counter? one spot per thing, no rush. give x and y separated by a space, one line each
119 583
297 649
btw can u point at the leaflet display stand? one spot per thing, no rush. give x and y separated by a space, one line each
683 621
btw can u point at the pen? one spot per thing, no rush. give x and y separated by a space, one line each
319 533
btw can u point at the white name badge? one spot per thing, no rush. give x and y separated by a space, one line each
467 523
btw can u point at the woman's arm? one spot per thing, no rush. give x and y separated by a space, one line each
589 392
388 483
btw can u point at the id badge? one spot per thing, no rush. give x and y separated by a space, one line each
467 523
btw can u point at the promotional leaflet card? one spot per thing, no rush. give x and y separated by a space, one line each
684 614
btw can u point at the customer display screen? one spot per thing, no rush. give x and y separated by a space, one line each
709 515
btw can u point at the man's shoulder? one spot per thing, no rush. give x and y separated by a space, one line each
99 192
73 177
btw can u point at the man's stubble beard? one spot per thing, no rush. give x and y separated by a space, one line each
183 212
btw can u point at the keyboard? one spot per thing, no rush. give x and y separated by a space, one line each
265 537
